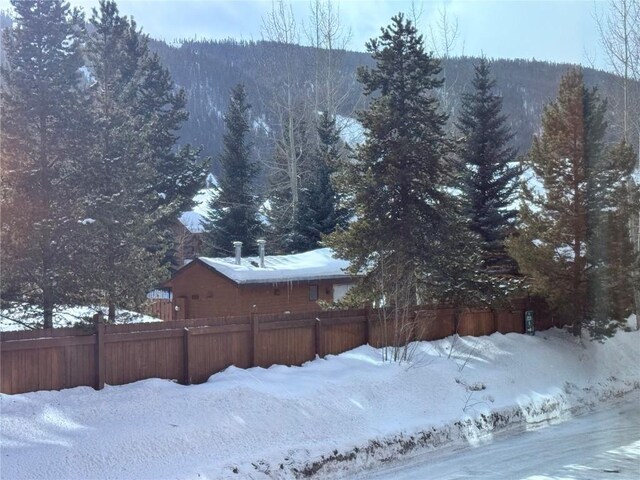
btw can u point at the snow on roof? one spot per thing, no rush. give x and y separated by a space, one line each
313 265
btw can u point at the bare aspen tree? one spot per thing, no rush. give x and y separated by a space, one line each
444 38
289 102
619 30
330 38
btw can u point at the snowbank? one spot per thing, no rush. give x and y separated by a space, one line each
22 318
329 417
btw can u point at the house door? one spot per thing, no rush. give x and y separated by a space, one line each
180 308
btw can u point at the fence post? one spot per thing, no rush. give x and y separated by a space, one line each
318 337
185 346
254 339
98 318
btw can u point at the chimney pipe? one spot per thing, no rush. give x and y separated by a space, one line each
238 248
261 244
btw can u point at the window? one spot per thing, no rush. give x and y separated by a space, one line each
313 293
339 291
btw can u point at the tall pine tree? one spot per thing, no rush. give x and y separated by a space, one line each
570 208
233 208
407 230
136 182
489 173
42 137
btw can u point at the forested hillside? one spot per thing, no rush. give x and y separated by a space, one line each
208 71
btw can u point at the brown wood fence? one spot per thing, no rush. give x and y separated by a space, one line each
189 351
161 308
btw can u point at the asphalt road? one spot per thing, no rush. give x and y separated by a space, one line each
599 445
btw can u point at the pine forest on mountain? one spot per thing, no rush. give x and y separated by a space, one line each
208 70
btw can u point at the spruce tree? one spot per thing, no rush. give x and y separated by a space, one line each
321 210
407 231
571 205
42 138
489 173
233 209
137 182
615 264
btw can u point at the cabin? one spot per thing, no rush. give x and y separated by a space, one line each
275 284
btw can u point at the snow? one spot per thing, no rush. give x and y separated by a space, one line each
260 124
313 265
193 219
350 129
20 318
336 416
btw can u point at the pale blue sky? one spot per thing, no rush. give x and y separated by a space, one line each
561 31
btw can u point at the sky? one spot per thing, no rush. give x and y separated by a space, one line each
554 30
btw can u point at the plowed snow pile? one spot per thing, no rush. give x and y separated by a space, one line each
328 417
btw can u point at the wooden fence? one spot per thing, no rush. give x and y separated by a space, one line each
190 351
160 308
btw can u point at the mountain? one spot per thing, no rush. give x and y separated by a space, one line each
207 70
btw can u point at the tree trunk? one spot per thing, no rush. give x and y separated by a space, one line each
47 305
112 312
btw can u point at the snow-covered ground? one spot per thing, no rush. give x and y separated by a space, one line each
332 417
26 317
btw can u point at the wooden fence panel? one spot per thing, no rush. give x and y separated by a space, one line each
161 308
510 321
46 368
435 324
341 337
129 358
285 346
213 352
81 365
476 323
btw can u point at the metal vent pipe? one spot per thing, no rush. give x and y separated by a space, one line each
238 248
261 245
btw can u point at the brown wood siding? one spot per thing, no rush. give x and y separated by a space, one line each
208 294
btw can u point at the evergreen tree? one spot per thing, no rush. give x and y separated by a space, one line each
490 176
137 184
42 139
320 211
571 208
233 209
610 248
408 230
